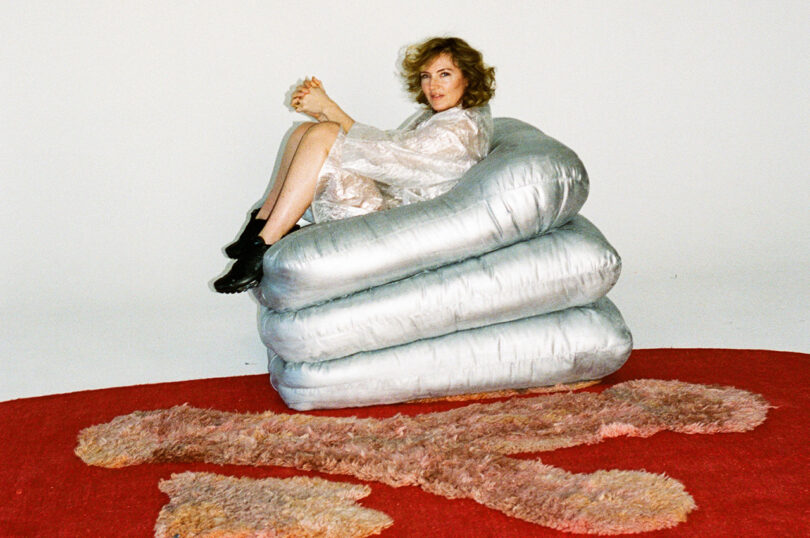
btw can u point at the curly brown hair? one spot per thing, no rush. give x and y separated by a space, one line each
480 77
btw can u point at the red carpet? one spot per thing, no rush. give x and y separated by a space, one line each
748 484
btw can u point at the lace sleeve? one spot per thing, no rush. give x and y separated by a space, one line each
437 150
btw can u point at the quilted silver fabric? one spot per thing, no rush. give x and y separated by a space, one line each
369 169
529 183
495 284
575 344
569 266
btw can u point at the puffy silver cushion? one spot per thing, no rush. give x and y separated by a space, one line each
496 284
575 344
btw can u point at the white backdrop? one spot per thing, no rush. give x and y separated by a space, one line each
135 135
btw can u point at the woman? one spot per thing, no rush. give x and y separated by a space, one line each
340 168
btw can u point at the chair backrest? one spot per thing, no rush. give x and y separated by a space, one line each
528 184
540 183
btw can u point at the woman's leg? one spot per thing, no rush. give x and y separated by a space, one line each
294 196
286 159
298 187
259 216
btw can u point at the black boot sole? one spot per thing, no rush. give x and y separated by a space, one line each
246 272
239 289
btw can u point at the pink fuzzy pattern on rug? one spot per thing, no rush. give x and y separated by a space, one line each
210 505
460 453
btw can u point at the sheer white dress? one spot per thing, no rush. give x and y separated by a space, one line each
369 169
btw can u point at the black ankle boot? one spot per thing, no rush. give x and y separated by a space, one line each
252 229
246 272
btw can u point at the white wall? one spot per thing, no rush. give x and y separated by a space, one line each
134 135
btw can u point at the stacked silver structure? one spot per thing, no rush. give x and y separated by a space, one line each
496 284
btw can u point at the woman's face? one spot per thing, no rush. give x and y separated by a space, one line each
443 83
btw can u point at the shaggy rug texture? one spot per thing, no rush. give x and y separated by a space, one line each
210 505
461 453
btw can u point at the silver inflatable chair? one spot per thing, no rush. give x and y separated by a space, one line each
497 284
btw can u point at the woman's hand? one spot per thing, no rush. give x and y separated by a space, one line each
310 98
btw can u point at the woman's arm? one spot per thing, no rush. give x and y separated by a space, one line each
333 112
439 150
311 99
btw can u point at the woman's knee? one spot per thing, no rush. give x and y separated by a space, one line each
304 127
324 133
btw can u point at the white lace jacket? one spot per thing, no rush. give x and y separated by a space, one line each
369 169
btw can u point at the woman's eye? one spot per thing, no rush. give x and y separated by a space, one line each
423 76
